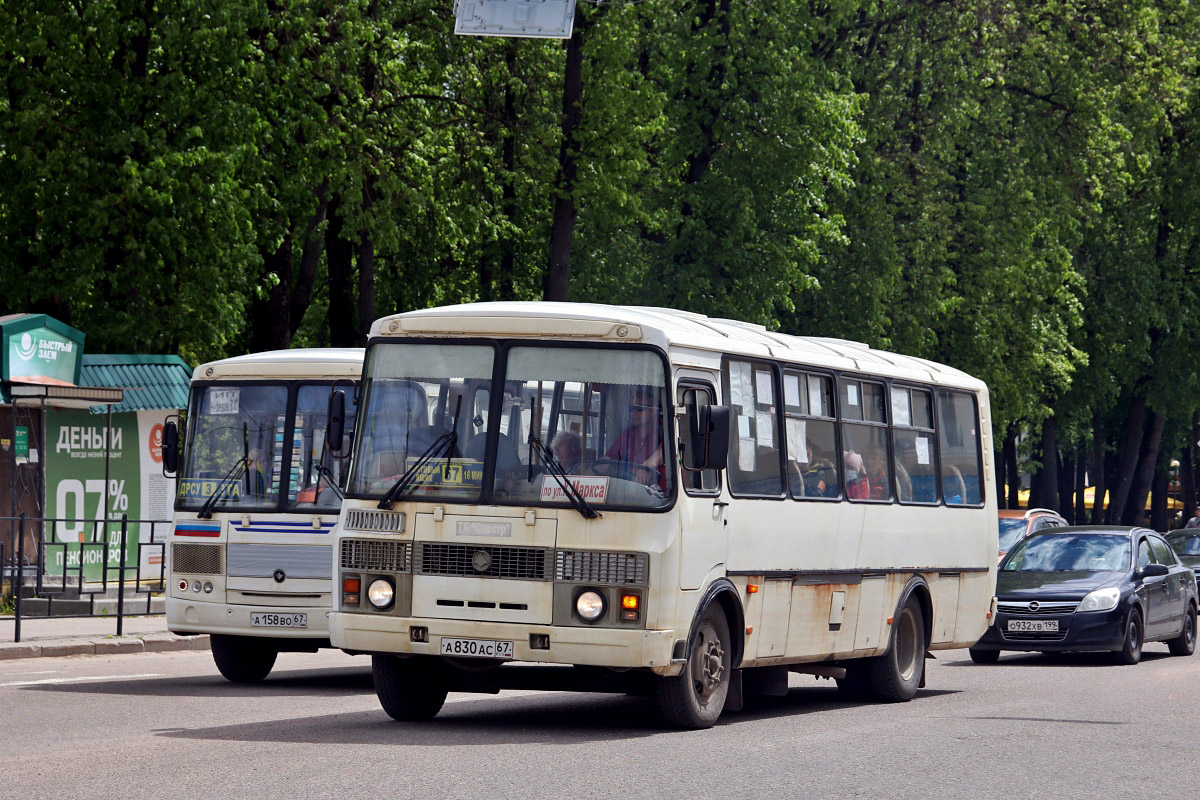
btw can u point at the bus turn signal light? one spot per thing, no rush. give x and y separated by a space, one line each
751 588
350 591
630 607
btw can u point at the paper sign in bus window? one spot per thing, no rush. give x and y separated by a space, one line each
766 430
922 450
900 410
224 401
762 387
791 390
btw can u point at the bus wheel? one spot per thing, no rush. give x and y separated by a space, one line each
696 696
895 676
242 659
409 689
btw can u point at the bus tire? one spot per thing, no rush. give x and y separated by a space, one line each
984 656
242 659
695 697
895 676
409 689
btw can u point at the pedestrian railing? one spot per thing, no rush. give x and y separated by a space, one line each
72 567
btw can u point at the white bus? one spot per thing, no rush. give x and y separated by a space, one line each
250 559
676 505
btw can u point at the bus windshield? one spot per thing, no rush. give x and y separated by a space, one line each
241 441
570 423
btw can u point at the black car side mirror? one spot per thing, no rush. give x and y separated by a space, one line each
335 425
1155 570
170 448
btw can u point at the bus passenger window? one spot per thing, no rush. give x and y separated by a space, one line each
958 440
810 436
912 443
753 436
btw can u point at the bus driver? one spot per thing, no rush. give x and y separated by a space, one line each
640 444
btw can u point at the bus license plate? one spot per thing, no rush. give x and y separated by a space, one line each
476 648
1033 625
279 620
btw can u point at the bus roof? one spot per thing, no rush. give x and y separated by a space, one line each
679 331
302 362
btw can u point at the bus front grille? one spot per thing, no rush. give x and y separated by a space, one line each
590 566
373 555
484 561
196 559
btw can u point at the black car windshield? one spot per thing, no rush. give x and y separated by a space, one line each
1080 552
1011 531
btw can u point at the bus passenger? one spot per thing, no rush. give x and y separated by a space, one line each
569 451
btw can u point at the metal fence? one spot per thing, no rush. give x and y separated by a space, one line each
79 564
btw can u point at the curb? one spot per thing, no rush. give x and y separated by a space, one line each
147 643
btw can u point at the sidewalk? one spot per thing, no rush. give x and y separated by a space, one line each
58 636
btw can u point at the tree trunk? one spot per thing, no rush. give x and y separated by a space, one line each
557 280
1014 474
1098 474
1043 492
1160 485
270 316
999 458
1066 486
1143 476
1080 515
1123 481
339 256
1187 471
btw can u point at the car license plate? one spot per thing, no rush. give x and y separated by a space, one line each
476 648
279 620
1033 625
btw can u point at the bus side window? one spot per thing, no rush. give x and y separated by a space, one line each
912 446
691 398
754 467
958 440
810 435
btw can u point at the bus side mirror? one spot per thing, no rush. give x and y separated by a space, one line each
710 439
170 448
335 426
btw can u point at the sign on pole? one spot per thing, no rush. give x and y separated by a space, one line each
543 19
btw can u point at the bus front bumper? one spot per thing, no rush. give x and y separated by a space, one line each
601 647
194 616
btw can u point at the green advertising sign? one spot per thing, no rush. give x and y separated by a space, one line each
22 443
80 495
41 354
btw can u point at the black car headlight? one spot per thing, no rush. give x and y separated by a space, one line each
1101 600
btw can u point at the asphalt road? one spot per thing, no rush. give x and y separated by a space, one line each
165 725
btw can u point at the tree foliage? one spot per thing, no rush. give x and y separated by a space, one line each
1008 187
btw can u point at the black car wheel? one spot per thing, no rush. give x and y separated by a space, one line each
984 656
1131 651
1185 643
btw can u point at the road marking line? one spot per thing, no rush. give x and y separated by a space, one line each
48 681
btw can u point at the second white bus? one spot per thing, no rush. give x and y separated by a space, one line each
259 489
676 505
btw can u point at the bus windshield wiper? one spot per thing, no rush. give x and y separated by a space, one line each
560 476
330 480
235 474
444 443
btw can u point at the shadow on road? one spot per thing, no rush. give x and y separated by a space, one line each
538 718
308 683
1025 659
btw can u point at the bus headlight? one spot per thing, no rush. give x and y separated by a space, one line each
589 605
381 593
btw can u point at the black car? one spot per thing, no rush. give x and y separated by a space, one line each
1092 588
1186 544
